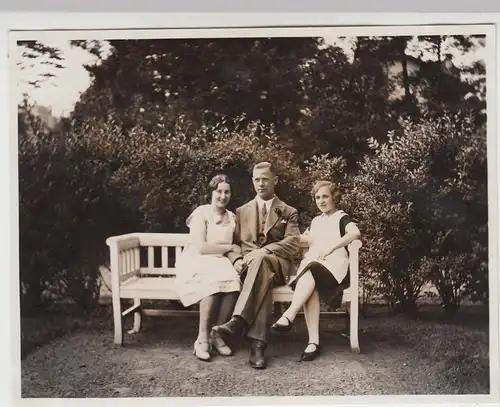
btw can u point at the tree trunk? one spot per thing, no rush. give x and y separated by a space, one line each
439 42
400 45
406 83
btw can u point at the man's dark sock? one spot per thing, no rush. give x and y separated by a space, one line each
241 320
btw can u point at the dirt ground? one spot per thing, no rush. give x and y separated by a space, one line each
398 357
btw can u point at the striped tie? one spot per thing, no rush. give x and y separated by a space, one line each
263 217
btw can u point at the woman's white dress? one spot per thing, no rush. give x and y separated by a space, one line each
324 232
201 275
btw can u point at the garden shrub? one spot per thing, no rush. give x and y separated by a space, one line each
422 196
421 204
419 199
66 210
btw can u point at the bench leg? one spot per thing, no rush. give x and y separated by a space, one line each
137 318
353 326
118 321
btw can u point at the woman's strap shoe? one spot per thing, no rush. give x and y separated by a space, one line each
219 344
202 350
309 356
282 329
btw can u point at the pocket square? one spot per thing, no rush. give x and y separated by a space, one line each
283 221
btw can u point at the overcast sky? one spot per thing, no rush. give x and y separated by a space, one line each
61 92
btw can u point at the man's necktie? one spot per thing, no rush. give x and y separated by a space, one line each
263 217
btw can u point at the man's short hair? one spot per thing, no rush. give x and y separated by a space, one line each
264 165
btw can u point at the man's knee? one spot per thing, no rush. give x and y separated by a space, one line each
263 257
264 263
269 259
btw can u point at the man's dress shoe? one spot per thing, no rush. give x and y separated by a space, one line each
231 329
257 357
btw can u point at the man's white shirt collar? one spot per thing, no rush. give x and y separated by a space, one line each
268 203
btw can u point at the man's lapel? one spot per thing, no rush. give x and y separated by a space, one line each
276 213
251 218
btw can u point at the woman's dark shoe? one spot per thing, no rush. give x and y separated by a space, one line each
309 356
282 329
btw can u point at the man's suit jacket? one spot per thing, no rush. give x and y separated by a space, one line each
281 232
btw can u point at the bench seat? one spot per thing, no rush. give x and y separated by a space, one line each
154 288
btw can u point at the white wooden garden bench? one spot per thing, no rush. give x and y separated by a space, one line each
135 276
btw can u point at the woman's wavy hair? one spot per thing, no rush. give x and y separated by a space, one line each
214 183
334 190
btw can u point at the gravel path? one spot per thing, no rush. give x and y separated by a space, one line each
159 362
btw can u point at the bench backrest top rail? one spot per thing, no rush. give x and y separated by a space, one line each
152 239
170 240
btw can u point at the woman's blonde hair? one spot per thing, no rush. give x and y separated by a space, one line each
334 190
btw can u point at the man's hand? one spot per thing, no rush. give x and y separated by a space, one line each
234 248
239 265
253 254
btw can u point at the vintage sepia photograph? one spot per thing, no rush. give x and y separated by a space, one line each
257 212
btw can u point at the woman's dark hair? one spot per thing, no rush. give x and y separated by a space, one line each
214 183
334 190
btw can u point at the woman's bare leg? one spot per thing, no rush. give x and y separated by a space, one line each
311 315
303 290
206 312
226 306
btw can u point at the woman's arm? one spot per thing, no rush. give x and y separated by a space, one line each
306 238
351 233
198 237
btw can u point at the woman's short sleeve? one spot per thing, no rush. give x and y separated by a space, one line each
197 220
232 217
344 221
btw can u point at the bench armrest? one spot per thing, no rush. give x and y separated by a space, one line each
119 239
117 245
354 247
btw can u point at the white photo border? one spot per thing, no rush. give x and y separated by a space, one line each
199 25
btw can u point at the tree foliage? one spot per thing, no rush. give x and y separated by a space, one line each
34 51
163 116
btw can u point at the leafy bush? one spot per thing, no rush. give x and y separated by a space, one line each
164 176
422 198
66 210
419 199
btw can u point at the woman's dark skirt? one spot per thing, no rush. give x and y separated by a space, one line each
329 289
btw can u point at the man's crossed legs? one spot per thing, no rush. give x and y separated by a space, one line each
254 306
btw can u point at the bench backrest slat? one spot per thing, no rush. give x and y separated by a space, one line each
128 262
167 247
137 258
164 256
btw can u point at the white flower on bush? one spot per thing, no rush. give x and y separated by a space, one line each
306 112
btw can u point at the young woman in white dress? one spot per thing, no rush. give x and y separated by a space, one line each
324 266
204 274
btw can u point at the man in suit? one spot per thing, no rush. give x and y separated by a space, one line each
268 234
